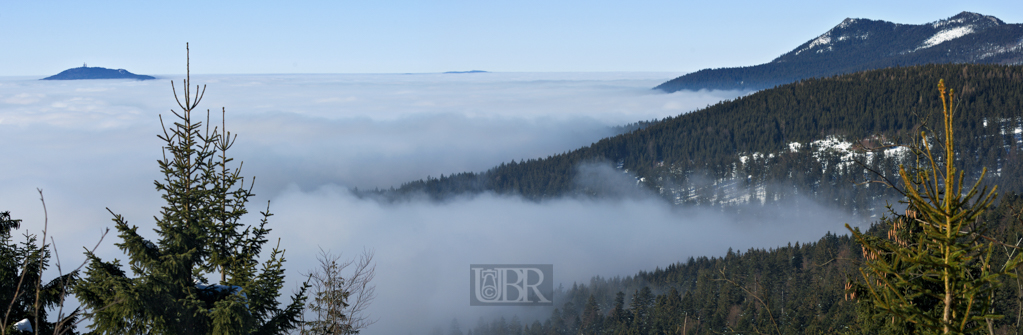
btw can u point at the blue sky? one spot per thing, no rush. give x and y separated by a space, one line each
238 37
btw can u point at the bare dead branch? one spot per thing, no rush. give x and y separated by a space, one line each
340 303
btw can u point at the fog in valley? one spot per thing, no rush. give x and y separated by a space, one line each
91 144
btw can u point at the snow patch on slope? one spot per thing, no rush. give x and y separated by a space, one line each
846 23
945 36
991 50
795 146
821 40
900 153
832 142
831 145
846 37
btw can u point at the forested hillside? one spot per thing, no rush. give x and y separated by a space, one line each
800 139
795 289
861 44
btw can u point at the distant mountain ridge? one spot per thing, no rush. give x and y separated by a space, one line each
861 44
86 72
462 72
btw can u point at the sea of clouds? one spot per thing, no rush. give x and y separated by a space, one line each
91 145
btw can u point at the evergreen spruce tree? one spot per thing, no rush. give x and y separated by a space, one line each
932 273
642 301
591 320
23 294
329 300
617 320
200 233
666 315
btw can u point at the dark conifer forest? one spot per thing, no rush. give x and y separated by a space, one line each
739 151
794 289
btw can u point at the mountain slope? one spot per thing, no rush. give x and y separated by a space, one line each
800 139
793 289
861 44
85 72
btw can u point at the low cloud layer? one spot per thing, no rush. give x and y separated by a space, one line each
361 131
91 144
423 249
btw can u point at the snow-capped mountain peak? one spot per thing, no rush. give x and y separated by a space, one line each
871 40
968 18
861 44
962 24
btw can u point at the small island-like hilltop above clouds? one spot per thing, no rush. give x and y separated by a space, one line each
86 72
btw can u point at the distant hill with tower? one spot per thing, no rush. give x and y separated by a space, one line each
86 72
